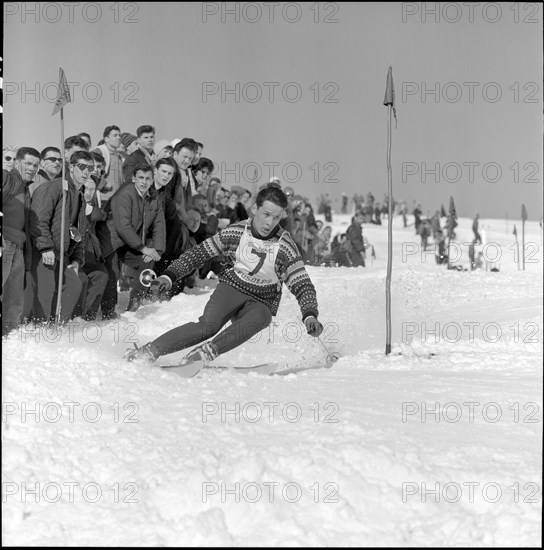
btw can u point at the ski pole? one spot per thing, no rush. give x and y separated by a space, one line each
331 357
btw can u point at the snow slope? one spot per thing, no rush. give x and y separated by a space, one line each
437 444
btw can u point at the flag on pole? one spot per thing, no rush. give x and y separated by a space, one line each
63 94
442 211
389 98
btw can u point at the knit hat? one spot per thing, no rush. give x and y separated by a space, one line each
127 139
160 145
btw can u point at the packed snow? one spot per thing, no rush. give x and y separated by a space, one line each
437 444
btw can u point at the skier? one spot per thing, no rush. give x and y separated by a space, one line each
262 257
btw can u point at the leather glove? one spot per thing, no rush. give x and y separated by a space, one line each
313 326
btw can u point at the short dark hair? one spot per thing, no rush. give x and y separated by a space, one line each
217 180
97 157
200 144
142 168
188 143
198 196
47 149
109 129
75 141
204 163
81 155
86 135
273 194
167 160
22 151
145 129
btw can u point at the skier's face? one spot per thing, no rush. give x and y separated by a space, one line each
266 217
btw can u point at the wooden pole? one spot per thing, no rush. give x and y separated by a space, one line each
63 222
389 238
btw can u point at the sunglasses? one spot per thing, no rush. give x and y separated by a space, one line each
8 158
85 167
53 159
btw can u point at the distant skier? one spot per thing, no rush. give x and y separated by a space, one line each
263 256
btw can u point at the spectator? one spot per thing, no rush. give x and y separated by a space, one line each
143 154
114 162
187 241
355 236
475 223
235 209
163 149
184 153
417 217
377 214
51 168
129 144
97 274
323 244
8 157
45 229
87 138
15 206
202 171
134 234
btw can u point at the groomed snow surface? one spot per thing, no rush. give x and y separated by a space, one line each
438 444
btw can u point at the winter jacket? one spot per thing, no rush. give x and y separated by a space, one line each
133 221
46 220
138 158
355 236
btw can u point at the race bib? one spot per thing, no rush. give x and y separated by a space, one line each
255 259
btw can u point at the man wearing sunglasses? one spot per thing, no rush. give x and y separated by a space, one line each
50 168
45 230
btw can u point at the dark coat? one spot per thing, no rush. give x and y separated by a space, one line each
46 220
133 221
355 236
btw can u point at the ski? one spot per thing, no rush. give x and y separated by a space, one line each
185 371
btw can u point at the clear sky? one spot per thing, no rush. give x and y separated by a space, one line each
297 88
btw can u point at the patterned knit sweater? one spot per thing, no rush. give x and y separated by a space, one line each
258 267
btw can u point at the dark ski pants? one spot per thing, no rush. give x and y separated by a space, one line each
248 317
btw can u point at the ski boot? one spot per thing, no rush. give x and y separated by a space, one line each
148 353
204 353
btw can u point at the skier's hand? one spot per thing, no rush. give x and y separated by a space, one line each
313 326
160 284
